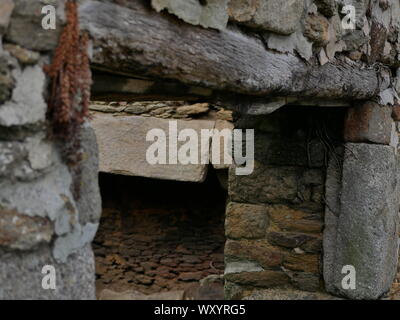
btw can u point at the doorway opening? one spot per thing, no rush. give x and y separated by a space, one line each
159 235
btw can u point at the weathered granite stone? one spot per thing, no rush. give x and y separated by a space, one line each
48 196
396 112
368 122
211 14
11 155
332 211
123 146
263 279
242 10
26 30
289 43
6 80
23 55
193 109
6 8
22 232
40 152
245 221
73 241
241 266
268 14
377 41
21 275
301 262
316 29
107 294
305 281
367 226
354 40
232 291
26 160
27 105
287 294
295 220
387 97
258 251
327 7
293 240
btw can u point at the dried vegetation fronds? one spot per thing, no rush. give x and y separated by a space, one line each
68 104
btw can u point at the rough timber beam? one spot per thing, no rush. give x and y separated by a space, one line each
157 46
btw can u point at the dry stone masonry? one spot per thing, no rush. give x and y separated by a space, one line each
319 86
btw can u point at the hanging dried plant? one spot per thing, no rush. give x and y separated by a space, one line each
68 104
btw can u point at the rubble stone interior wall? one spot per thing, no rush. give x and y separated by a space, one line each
275 216
159 235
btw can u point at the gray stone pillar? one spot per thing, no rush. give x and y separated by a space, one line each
362 209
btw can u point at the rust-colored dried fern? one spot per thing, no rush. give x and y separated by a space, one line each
68 104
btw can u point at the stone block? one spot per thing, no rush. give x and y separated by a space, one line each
263 279
294 220
368 122
123 147
6 8
25 28
287 294
332 210
23 55
327 7
306 281
316 29
258 251
27 105
268 15
396 112
245 221
6 79
232 291
301 262
363 233
21 275
293 240
209 14
22 232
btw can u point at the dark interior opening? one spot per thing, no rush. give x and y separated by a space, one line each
159 235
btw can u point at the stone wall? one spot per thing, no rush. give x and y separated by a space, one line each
41 223
275 217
